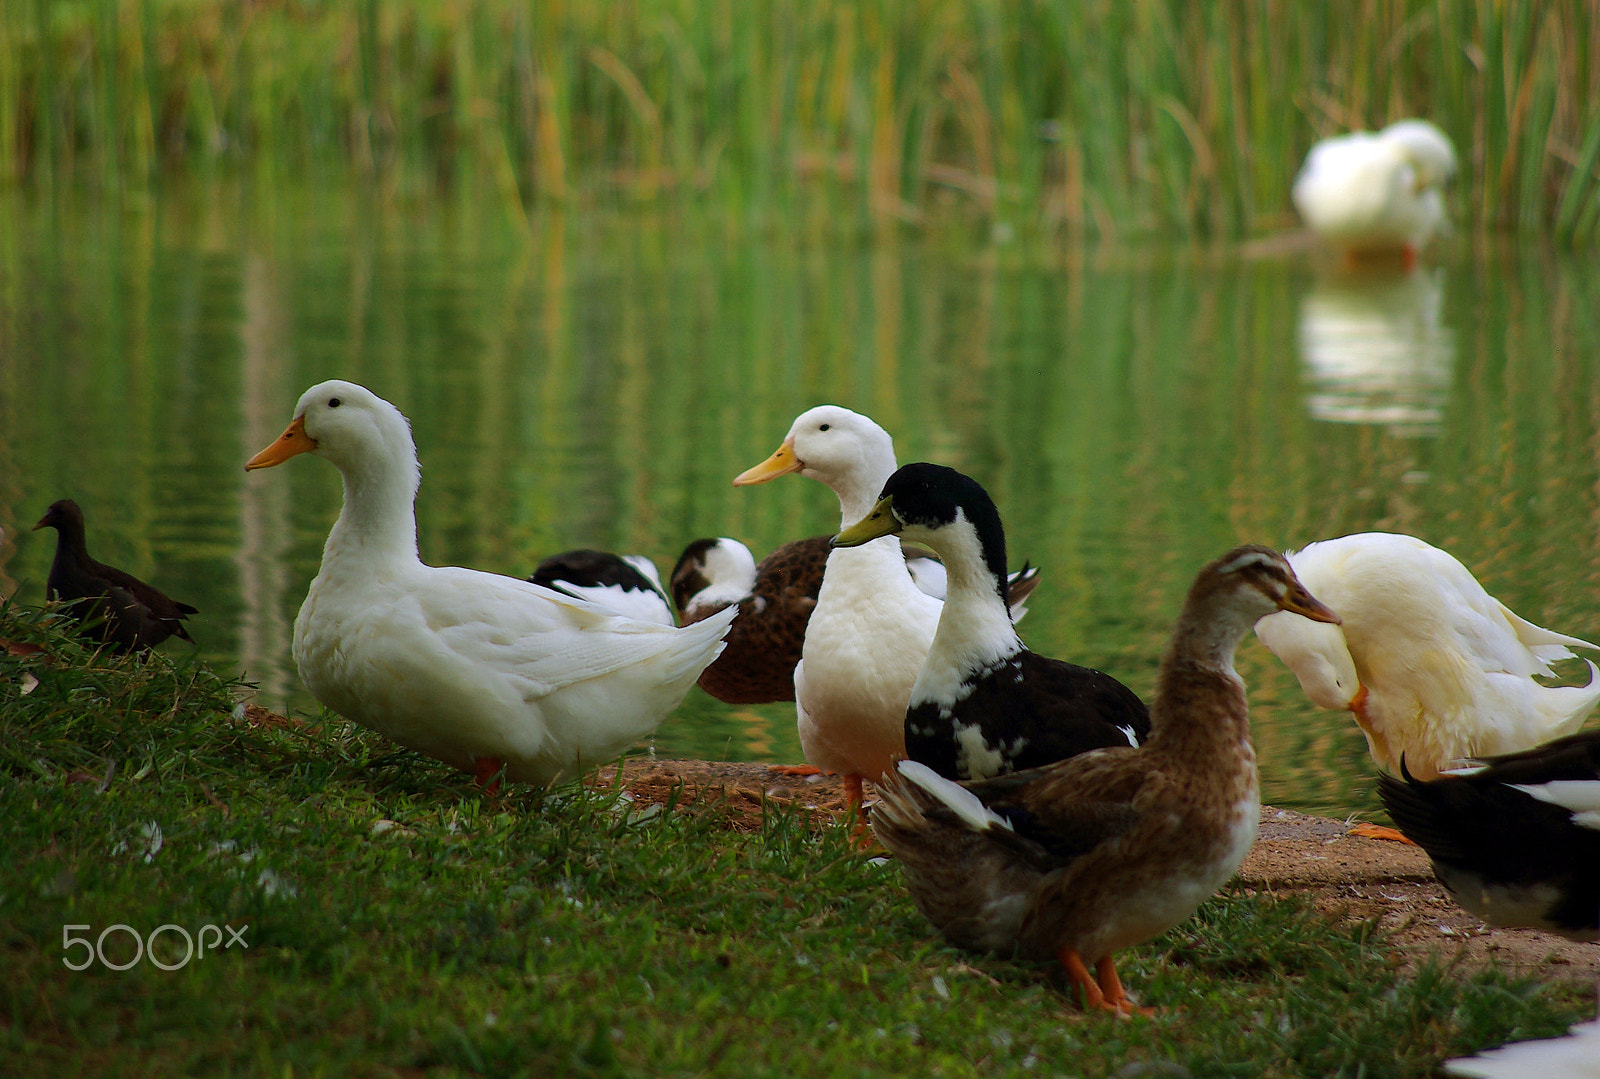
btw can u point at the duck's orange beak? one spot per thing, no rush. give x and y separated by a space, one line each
781 463
294 440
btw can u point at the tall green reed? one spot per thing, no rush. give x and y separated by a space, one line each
1089 117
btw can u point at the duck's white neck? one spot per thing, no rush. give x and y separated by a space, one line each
975 628
858 487
378 521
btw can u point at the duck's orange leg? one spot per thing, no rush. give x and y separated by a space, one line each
1107 993
1111 988
1078 974
855 800
486 770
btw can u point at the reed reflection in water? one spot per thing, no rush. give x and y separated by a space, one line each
599 384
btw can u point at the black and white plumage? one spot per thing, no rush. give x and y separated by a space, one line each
983 704
113 606
629 584
1514 838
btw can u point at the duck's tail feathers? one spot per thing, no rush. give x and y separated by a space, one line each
967 807
1546 644
1019 586
702 643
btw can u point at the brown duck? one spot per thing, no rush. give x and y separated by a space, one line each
1075 860
114 607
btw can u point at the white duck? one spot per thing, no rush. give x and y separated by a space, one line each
1377 194
872 626
478 670
1430 664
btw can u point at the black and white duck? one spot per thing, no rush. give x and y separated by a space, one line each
629 584
983 704
1514 838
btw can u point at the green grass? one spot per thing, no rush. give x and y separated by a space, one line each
1089 119
574 931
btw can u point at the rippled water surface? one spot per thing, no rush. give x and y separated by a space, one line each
598 381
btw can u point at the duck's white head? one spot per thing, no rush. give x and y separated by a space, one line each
1430 152
1317 654
350 426
843 449
369 441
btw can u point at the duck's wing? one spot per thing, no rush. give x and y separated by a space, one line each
545 640
159 603
1080 708
1070 808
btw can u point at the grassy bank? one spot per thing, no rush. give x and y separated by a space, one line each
399 922
1084 118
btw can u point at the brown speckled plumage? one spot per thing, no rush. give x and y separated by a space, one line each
1113 846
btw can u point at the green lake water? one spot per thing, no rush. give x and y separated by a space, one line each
598 379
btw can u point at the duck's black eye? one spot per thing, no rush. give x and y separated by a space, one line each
825 426
333 402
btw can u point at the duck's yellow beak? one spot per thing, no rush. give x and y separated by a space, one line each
1301 602
880 522
781 463
294 440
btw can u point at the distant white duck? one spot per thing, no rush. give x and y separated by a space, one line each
872 626
1377 194
484 672
629 584
1430 664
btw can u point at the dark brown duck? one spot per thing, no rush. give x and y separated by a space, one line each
114 607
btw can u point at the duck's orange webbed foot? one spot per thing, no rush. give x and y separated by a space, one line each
1115 997
1107 993
1379 831
794 770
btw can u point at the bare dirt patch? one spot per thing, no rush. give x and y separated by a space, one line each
1346 877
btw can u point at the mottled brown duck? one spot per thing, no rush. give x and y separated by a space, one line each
1077 860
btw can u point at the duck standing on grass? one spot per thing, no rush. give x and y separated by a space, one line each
1514 838
983 704
113 606
486 673
872 625
1076 860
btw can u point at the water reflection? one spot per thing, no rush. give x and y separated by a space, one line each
1375 350
1131 413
